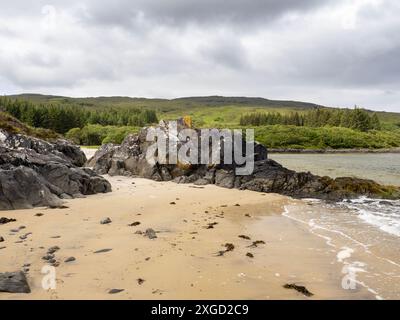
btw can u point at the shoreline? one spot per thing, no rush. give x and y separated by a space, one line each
192 225
91 150
331 151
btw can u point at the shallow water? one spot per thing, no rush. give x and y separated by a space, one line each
366 241
364 233
383 168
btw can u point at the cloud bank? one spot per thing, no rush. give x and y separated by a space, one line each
337 53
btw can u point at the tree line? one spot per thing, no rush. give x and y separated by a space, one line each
356 118
61 118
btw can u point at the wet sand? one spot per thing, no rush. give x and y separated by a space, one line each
183 261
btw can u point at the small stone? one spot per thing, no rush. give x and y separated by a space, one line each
115 291
150 233
105 221
70 259
53 249
134 224
249 254
2 239
103 251
48 257
39 214
173 203
140 281
25 236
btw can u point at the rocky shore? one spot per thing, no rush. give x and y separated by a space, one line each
34 172
129 159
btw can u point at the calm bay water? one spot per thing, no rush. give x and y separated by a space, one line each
383 168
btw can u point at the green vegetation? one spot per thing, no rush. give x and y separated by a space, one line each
61 118
13 125
94 134
356 119
281 136
278 124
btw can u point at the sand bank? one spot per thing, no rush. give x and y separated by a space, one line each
192 225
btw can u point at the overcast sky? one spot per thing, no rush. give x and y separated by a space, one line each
332 52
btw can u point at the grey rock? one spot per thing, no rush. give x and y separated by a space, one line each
35 173
1 239
48 257
105 221
103 251
150 233
115 291
14 282
25 236
268 176
70 259
53 249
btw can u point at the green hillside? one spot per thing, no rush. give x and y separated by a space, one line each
109 119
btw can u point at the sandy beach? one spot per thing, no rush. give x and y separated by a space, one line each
192 225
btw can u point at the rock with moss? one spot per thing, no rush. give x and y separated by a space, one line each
129 158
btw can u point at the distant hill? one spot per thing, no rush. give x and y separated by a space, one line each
188 101
207 110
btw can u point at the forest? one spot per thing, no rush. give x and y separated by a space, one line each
61 118
356 119
277 124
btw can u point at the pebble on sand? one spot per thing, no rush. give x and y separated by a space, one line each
150 233
114 291
105 221
103 251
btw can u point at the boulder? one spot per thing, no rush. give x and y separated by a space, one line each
14 282
129 158
35 172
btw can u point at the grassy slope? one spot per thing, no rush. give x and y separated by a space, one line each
206 111
13 125
216 111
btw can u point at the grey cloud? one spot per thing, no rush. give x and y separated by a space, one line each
178 12
186 47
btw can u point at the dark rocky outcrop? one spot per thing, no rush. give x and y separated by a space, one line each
34 172
129 158
14 282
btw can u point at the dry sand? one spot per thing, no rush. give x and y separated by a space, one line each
182 262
